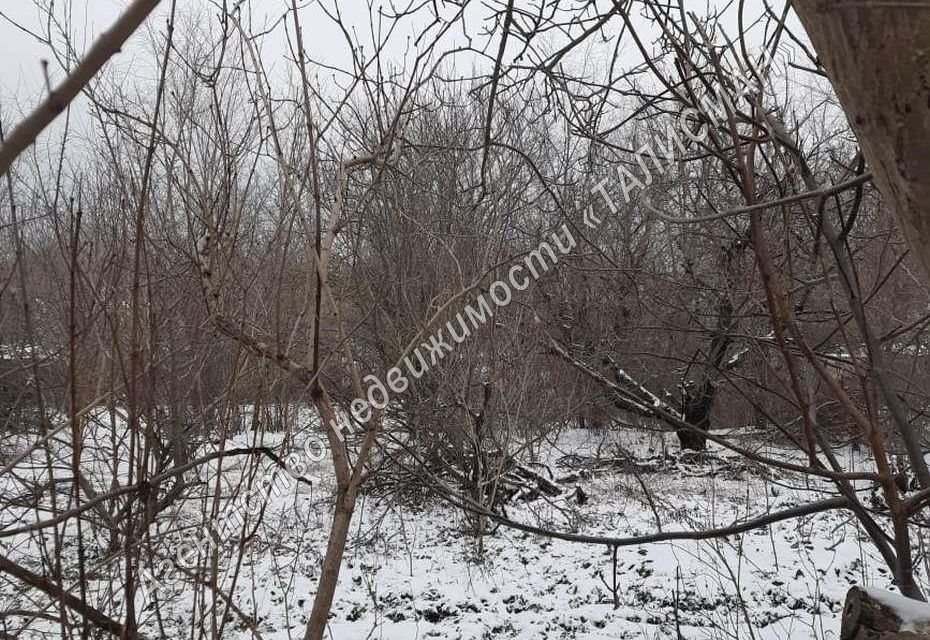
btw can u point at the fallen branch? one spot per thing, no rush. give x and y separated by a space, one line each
49 588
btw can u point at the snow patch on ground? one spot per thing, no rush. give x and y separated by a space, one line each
413 570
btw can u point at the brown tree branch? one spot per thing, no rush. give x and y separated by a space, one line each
46 586
107 45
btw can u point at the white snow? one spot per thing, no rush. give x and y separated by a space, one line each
914 615
412 569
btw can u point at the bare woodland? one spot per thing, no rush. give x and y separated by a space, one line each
208 263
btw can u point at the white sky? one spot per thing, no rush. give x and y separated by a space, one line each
21 54
22 82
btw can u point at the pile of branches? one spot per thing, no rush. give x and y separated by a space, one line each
690 464
491 478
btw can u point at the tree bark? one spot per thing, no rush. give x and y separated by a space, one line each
879 64
866 617
332 562
697 402
107 45
877 58
696 408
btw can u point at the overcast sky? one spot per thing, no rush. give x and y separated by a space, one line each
21 53
22 83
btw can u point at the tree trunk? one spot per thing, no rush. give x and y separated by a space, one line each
696 407
697 401
691 440
877 57
878 61
332 562
877 615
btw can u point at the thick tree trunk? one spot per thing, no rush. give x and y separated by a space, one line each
697 402
691 440
878 59
883 616
696 408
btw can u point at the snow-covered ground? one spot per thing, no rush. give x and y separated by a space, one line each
413 570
